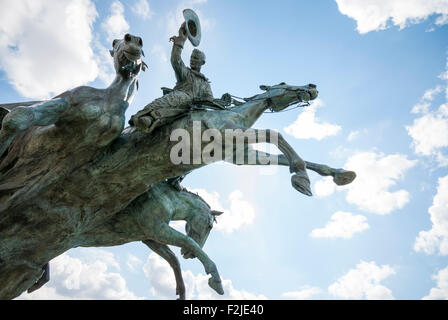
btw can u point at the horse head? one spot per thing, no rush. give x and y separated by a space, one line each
283 95
199 225
127 54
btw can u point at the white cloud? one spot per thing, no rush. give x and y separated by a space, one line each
376 173
83 278
92 255
441 291
442 20
45 46
352 135
161 277
178 225
372 15
240 213
115 25
133 262
430 134
355 134
436 239
444 75
363 282
104 62
159 51
421 107
324 187
303 293
204 292
175 19
142 9
431 93
342 225
308 126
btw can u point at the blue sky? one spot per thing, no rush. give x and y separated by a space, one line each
381 70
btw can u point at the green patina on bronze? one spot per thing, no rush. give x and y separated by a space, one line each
70 176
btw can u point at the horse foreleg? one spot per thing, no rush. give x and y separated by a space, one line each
167 235
299 180
340 176
165 252
21 118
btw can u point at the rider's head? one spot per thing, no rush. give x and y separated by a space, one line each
197 60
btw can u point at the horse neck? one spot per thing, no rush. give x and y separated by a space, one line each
190 204
123 88
252 110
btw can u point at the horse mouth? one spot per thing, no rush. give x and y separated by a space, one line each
132 55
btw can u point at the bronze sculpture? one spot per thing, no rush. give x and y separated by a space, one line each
63 179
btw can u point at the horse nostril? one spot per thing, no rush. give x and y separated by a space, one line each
140 41
127 37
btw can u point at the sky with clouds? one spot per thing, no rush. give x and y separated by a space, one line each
381 67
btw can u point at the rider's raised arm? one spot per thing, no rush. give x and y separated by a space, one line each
176 60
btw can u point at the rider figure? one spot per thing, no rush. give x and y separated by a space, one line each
192 86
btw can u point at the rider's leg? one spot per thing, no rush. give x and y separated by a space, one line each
165 107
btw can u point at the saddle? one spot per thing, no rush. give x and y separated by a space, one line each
198 104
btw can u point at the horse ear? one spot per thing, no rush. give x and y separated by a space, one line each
216 213
265 88
144 65
111 53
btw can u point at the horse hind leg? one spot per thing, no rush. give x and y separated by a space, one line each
167 235
42 280
165 252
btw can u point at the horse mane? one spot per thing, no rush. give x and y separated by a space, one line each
192 193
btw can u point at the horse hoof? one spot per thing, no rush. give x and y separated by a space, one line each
296 166
301 184
36 286
216 285
181 297
181 293
343 177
